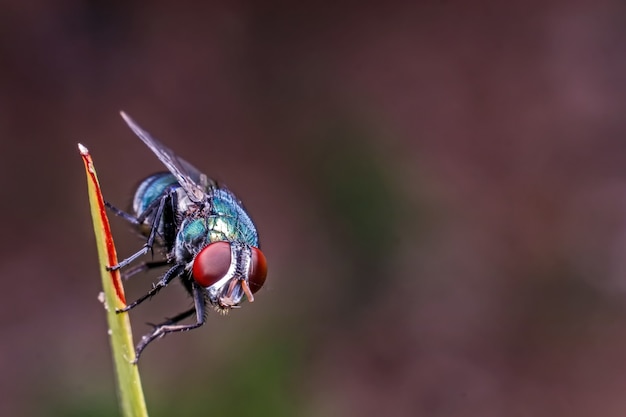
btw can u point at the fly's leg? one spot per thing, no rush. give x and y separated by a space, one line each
121 213
153 230
145 266
172 273
175 319
167 327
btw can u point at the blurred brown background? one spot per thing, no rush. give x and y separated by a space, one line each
440 190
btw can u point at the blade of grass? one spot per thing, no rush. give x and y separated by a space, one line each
130 393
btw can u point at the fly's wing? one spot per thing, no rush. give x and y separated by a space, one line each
193 181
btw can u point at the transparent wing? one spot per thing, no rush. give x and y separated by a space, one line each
193 181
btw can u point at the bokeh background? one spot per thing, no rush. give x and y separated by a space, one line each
439 186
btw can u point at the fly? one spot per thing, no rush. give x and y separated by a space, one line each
206 235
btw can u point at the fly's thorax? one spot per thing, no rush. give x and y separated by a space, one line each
229 220
197 231
190 239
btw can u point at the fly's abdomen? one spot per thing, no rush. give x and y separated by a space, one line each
149 196
151 190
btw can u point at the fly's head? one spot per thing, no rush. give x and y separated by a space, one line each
230 272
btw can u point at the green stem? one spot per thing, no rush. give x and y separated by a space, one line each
130 393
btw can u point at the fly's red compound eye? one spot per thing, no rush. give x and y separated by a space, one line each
211 263
258 270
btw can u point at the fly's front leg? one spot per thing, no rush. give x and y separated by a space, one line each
163 329
172 273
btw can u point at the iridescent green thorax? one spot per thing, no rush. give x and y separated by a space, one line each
226 221
229 221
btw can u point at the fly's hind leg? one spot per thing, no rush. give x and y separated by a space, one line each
145 266
175 319
121 213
